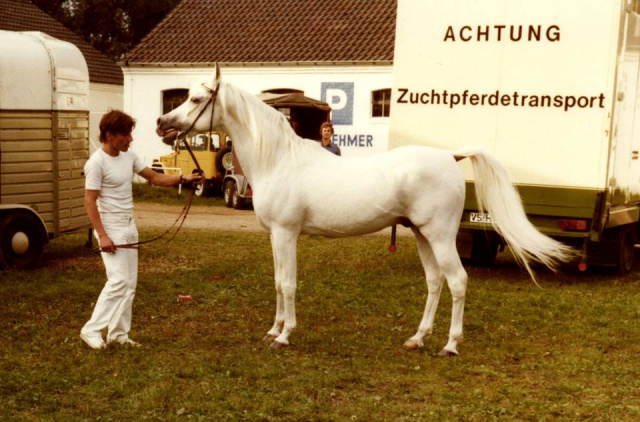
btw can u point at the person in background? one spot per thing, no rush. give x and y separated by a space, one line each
108 201
326 131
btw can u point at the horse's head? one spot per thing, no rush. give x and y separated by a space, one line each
195 114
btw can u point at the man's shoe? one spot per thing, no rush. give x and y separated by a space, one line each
95 342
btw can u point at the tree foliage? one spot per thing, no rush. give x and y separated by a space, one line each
111 26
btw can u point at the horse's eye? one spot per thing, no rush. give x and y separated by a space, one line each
195 100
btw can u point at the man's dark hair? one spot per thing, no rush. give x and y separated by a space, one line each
326 124
116 122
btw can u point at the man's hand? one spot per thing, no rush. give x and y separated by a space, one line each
193 177
106 244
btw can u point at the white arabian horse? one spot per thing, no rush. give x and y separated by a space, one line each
300 188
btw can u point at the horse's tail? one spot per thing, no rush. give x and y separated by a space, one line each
497 196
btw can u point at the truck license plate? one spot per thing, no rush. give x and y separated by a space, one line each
480 217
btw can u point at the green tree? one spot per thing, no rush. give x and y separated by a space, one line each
111 26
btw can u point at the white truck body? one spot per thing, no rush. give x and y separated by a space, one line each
549 87
44 127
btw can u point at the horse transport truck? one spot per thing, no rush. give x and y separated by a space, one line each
44 143
551 89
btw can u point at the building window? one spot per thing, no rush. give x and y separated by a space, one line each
172 98
380 103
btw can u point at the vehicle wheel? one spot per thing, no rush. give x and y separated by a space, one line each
21 241
229 191
237 202
626 250
224 159
483 249
201 189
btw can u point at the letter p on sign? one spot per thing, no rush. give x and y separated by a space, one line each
339 96
336 98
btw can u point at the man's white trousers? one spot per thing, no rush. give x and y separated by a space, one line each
114 306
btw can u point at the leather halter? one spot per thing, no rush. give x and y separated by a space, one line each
182 136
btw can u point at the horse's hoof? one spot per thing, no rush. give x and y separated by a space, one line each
277 345
269 338
444 353
412 345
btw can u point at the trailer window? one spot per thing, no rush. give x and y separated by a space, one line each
380 103
172 98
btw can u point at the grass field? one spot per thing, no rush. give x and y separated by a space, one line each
568 351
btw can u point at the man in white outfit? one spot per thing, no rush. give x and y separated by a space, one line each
109 203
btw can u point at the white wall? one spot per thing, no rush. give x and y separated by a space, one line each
102 98
143 87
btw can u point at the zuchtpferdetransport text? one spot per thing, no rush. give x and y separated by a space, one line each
498 98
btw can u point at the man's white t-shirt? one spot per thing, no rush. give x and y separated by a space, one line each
112 176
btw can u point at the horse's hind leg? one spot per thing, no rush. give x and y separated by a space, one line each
445 252
435 280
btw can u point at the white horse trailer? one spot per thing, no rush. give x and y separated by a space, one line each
44 129
551 89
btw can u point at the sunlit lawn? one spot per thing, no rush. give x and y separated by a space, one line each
568 351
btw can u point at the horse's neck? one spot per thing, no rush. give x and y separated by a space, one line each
262 137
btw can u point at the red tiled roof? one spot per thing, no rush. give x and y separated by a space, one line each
21 15
271 31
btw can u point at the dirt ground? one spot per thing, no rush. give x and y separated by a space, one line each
212 218
199 217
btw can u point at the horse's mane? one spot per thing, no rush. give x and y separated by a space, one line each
271 133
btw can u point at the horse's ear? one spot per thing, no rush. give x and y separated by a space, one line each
216 81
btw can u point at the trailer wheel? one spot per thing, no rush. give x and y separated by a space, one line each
229 189
21 241
626 250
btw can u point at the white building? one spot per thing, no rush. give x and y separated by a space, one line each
338 51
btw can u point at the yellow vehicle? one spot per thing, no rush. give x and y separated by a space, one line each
213 154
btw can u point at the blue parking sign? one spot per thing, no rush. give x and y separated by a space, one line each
339 96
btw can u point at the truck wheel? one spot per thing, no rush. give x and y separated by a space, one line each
229 190
237 202
483 249
626 250
21 241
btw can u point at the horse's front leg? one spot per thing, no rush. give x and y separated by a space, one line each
284 244
275 331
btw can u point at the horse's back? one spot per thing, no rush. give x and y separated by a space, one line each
342 196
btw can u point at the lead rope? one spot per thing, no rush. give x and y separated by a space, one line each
183 214
185 210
